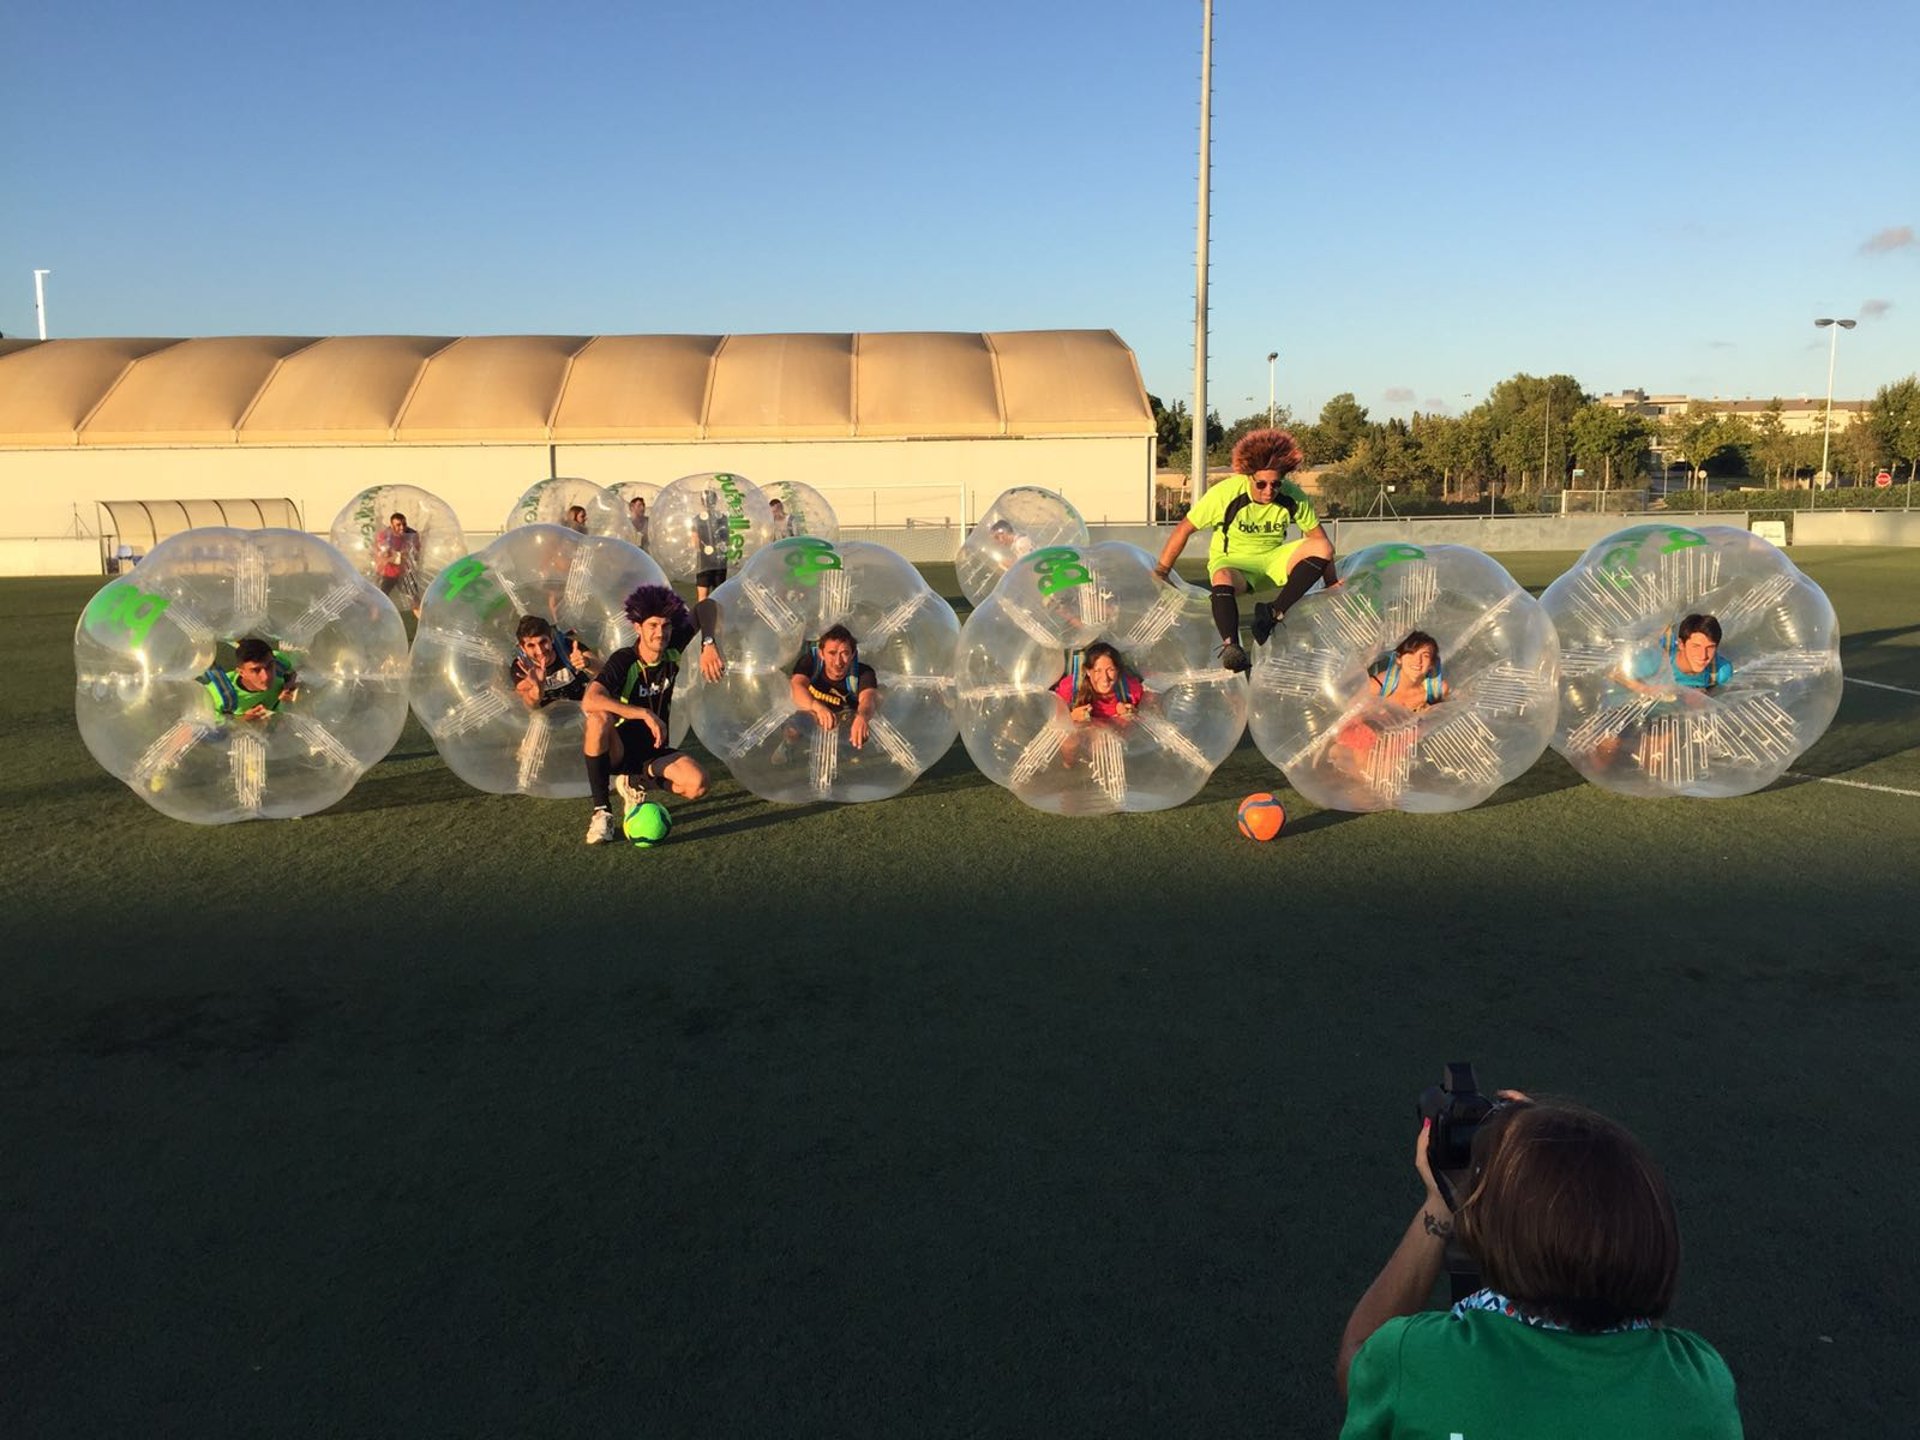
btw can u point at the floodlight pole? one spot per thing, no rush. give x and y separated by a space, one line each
1272 357
1199 482
1833 349
40 299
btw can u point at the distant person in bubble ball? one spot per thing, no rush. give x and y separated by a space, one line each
637 518
712 533
538 672
1249 514
1573 1230
396 556
1009 545
831 688
782 522
1097 689
628 705
577 518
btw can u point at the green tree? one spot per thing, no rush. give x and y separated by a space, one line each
1894 416
1610 445
1342 424
1773 446
1700 433
1528 415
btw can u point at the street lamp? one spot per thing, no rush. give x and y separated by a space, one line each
40 299
1833 347
1272 356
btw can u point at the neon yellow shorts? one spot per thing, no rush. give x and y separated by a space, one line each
1259 569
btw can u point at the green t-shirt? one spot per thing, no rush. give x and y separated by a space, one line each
1483 1376
229 697
1256 527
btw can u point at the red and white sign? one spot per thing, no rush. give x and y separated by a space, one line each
1884 479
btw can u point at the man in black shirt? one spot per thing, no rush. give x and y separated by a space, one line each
832 687
628 703
538 675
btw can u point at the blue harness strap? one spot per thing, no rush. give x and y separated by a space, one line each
1390 680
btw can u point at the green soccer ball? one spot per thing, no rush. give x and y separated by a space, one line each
648 824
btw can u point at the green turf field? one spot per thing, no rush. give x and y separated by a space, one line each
937 1117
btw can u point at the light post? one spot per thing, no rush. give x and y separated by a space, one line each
1273 357
1833 348
40 299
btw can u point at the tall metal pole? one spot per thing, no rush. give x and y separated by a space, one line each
1546 440
1272 411
1826 435
1199 483
40 299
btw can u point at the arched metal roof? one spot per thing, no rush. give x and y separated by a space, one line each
278 390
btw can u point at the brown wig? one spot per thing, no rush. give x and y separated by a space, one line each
1570 1218
1259 450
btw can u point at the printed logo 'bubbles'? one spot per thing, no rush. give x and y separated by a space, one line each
1719 710
1087 686
1425 681
163 697
773 617
1019 522
467 657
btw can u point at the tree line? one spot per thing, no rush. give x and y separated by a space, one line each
1534 434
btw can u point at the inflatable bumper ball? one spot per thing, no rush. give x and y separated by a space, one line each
465 652
1179 713
771 615
1649 712
156 696
803 511
1457 718
1021 521
553 502
709 522
401 560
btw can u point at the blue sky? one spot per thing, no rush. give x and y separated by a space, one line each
1409 203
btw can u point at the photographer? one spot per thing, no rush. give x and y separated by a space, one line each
1574 1233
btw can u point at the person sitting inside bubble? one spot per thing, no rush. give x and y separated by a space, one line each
830 684
1097 689
396 555
1249 513
1685 658
1009 545
538 674
1409 678
261 681
628 705
637 518
577 518
782 522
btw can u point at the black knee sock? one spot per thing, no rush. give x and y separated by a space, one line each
1300 579
599 778
1226 613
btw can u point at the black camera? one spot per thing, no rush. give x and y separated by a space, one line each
1458 1110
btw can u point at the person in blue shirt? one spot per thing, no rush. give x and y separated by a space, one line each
1688 656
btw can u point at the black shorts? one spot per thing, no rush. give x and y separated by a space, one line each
710 579
638 755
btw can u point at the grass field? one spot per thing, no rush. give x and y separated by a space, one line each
938 1117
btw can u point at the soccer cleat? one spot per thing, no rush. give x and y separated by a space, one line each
1233 657
1264 620
633 795
601 829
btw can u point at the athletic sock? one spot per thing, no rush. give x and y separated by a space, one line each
1302 578
1226 613
599 779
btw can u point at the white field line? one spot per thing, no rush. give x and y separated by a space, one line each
1877 685
1853 784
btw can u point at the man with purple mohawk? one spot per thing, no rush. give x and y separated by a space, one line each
1249 514
628 703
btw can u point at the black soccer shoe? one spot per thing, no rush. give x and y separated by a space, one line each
1234 658
1263 622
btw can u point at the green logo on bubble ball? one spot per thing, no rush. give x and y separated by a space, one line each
468 581
1620 561
808 558
123 605
1058 568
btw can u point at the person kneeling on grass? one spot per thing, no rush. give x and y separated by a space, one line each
538 674
1249 514
830 687
629 703
1573 1230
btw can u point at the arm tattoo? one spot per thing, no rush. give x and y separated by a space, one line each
1442 1229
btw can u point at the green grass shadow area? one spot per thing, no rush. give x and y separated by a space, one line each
939 1116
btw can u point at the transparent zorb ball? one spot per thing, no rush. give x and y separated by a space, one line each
1021 521
639 523
465 649
1021 642
147 700
1319 713
784 599
400 563
553 502
1618 611
802 510
713 521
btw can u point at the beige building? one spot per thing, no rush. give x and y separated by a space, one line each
1800 416
923 428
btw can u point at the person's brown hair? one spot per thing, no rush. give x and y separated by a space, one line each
1259 450
1570 1217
